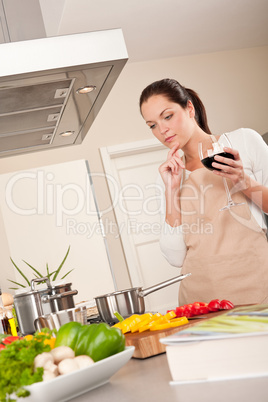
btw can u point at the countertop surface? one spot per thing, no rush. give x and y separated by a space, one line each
149 379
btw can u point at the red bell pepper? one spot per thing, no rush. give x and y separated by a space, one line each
195 310
6 340
180 311
188 310
198 307
203 310
10 339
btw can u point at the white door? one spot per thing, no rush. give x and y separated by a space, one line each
135 188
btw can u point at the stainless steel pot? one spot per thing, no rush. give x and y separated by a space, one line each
61 297
56 320
129 301
35 303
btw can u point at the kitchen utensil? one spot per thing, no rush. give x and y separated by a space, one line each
61 297
129 301
35 303
56 320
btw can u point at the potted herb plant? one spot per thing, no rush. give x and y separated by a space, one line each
51 275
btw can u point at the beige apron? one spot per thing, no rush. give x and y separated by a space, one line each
227 251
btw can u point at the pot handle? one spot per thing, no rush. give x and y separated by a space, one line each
151 289
48 298
38 280
37 324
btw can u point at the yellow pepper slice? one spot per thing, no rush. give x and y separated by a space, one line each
126 324
135 322
118 325
144 320
136 327
132 323
50 342
160 320
28 337
149 321
178 319
170 324
171 314
182 321
144 328
125 328
157 315
147 316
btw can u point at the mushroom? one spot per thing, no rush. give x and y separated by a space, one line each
60 360
83 361
62 352
43 359
67 366
53 368
48 375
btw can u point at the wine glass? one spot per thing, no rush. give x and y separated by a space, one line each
207 158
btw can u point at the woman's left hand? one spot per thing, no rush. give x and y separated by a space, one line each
233 169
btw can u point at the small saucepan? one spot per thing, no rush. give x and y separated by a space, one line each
129 301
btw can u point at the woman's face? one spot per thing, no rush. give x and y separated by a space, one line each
169 122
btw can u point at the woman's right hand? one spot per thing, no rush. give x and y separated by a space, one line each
171 170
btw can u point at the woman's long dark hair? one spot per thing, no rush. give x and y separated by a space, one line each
176 93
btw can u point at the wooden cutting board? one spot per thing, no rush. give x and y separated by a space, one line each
147 343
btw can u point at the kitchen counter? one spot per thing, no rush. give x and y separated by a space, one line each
148 379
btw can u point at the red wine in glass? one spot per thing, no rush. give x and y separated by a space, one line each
207 162
207 158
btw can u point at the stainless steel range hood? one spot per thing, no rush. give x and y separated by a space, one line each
40 104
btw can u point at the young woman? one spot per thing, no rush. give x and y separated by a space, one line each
226 251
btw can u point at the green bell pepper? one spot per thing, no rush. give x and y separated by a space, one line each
95 340
67 334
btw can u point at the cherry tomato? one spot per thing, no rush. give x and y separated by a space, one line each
226 305
214 305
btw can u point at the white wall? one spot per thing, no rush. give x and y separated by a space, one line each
52 14
233 86
44 209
